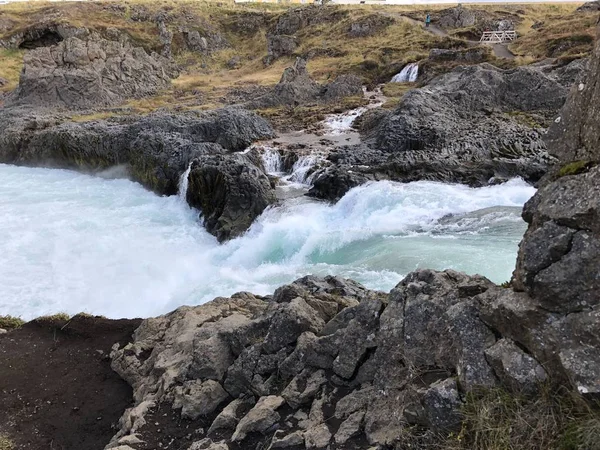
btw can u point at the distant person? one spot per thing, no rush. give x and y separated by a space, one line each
427 20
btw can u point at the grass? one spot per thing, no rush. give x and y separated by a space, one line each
575 168
10 69
10 323
206 78
6 443
495 419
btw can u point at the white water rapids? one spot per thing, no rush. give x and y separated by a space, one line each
72 242
408 74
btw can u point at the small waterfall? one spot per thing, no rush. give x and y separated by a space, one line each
303 172
272 161
184 181
408 74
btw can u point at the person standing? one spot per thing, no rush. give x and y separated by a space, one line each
427 20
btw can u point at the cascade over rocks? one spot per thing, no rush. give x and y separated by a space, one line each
83 74
471 125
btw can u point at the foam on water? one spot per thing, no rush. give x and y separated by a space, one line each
74 243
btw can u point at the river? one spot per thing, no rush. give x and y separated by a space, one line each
77 243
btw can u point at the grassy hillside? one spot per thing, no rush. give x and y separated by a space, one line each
207 78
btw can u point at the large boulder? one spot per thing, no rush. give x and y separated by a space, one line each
230 191
86 73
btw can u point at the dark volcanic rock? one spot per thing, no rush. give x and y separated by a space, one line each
83 74
279 45
230 191
369 25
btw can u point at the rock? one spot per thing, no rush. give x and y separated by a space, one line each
317 437
99 73
349 427
442 405
208 444
3 82
278 46
589 7
343 86
457 17
515 368
260 418
156 149
231 191
289 322
3 331
197 398
291 440
42 34
295 19
369 25
303 388
234 62
296 87
166 37
229 417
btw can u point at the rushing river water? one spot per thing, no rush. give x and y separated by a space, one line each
72 242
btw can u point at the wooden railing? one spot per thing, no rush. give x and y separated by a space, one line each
498 37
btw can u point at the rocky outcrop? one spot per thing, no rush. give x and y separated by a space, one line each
230 190
369 25
43 34
156 150
589 7
296 87
471 125
83 74
282 39
476 19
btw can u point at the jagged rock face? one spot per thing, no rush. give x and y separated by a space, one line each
45 34
462 127
558 264
156 150
369 25
574 135
279 45
589 7
322 347
231 191
84 74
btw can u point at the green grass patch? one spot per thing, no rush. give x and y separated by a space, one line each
575 168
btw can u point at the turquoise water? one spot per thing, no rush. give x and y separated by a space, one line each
72 242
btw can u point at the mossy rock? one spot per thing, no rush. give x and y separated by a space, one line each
575 168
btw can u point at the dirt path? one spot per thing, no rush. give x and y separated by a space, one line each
57 390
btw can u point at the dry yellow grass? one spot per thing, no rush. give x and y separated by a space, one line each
11 62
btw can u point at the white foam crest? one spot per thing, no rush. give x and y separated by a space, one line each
110 247
342 123
408 74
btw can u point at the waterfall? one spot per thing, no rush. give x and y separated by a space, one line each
303 172
184 181
407 75
272 161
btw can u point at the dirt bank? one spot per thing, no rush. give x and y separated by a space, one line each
57 390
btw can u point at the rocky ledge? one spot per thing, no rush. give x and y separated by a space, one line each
472 125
